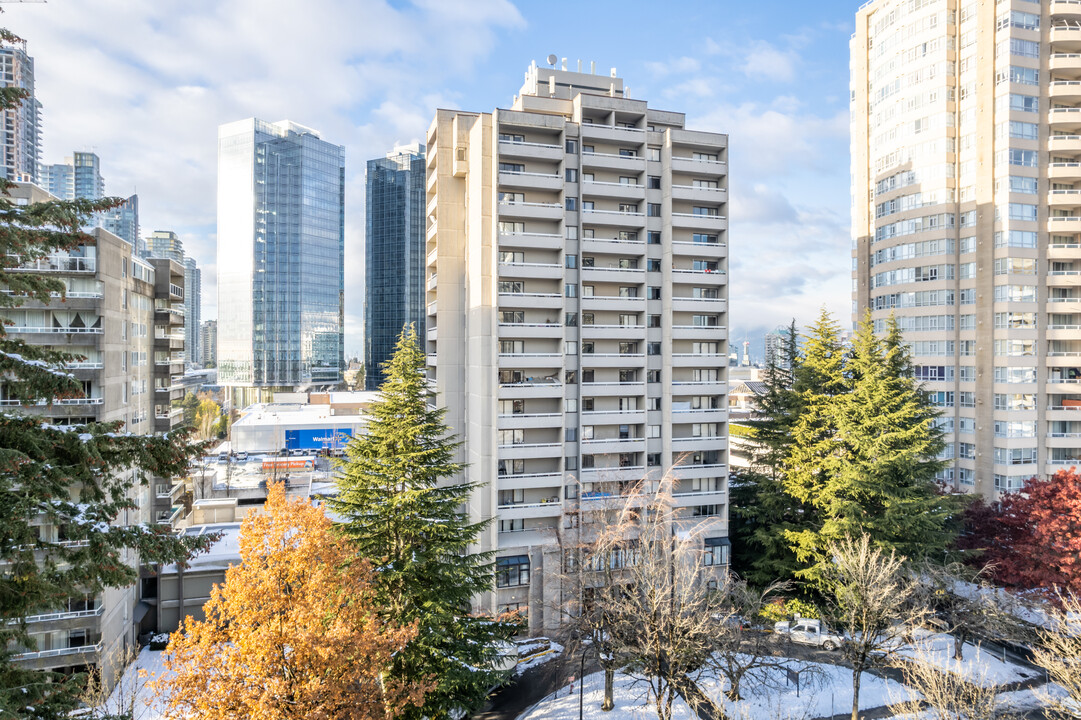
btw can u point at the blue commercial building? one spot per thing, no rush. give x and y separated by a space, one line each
281 256
394 255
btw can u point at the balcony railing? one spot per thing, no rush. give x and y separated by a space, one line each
55 263
58 652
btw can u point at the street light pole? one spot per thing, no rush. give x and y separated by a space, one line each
582 685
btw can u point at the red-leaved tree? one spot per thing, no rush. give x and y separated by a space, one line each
1032 537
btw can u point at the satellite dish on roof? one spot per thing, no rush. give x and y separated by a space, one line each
552 60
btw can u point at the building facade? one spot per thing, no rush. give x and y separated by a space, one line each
193 311
117 315
577 317
165 244
281 257
208 343
966 142
123 221
394 255
79 176
20 133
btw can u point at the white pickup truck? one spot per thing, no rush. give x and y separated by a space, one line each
808 632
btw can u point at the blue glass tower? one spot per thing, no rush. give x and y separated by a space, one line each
281 256
394 255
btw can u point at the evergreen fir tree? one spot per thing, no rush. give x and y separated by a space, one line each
874 459
404 511
762 511
77 478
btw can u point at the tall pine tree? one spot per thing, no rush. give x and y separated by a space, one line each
869 466
75 478
405 512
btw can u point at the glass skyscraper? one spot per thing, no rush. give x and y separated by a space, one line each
394 255
281 256
20 131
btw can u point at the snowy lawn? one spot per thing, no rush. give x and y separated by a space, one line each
826 690
977 666
534 654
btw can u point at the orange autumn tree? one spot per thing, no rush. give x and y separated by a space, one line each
293 632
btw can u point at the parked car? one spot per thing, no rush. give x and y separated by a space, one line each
223 457
809 632
241 456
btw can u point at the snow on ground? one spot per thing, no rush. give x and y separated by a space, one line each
977 665
825 691
539 658
1021 700
133 693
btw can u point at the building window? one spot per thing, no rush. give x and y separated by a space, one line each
653 265
653 182
572 146
653 376
653 459
654 321
571 261
571 290
705 510
655 154
653 209
654 293
653 348
571 320
653 403
570 462
572 175
654 237
570 434
571 203
716 551
653 431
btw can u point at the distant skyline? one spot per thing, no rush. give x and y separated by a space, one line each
145 85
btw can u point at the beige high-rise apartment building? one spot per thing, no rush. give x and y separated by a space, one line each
124 316
966 219
577 316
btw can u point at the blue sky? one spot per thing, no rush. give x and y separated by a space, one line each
146 83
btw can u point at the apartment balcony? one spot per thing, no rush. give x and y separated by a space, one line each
530 211
169 342
168 392
613 190
527 538
611 133
699 387
703 223
510 149
552 301
525 421
714 168
614 218
699 277
54 264
530 180
538 241
1065 90
433 255
66 402
168 316
1063 251
1064 199
701 415
79 655
538 388
696 444
45 335
527 451
614 389
613 245
1066 37
1068 171
532 481
699 305
613 417
1065 143
512 361
613 445
1064 224
711 497
613 360
526 270
1068 64
1066 9
1067 119
1064 278
69 619
690 472
613 332
525 511
1062 332
694 193
702 251
699 360
614 274
513 331
616 303
626 473
613 161
699 332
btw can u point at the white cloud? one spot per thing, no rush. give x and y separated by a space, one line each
145 85
766 62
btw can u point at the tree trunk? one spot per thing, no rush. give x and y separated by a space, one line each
609 694
857 675
958 646
733 690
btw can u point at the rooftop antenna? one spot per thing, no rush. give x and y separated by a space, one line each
552 60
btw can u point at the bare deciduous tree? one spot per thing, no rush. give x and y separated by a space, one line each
963 602
870 597
946 695
659 609
1059 653
740 651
